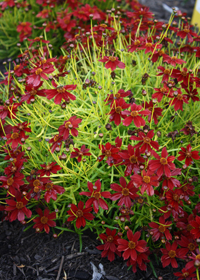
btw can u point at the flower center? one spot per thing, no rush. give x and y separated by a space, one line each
33 92
36 183
186 30
44 220
134 113
163 161
163 90
140 200
14 135
16 67
67 124
175 197
125 192
61 90
117 95
19 205
107 153
179 97
185 274
185 188
10 181
197 257
103 25
172 254
38 71
146 179
56 138
189 227
118 110
147 140
112 58
161 228
188 154
48 167
161 52
133 159
131 245
148 45
36 189
49 186
110 238
183 73
166 71
79 213
191 246
137 42
97 195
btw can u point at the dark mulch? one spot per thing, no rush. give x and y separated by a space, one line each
32 256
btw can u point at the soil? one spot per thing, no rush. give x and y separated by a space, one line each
38 256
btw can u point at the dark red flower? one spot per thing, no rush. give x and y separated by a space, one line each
154 111
174 198
135 115
69 126
80 153
95 195
173 60
165 72
170 182
160 230
60 92
45 220
132 247
116 110
80 214
12 183
162 91
51 191
163 164
187 244
57 141
169 255
187 32
32 92
186 274
16 138
125 192
181 75
142 259
110 152
188 155
145 144
110 244
146 180
17 206
112 62
191 93
196 227
120 94
195 257
178 100
132 159
39 72
49 168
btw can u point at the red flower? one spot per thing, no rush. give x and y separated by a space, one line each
186 274
17 206
188 155
44 221
80 153
32 93
166 73
187 245
149 47
173 60
120 94
142 259
162 91
80 214
160 230
191 93
132 247
174 198
163 164
95 195
132 159
57 141
170 182
9 3
154 111
112 62
146 181
145 144
49 168
39 72
51 191
60 92
125 192
110 244
187 32
109 152
116 110
196 227
16 138
69 126
181 75
169 255
12 183
195 257
135 116
178 100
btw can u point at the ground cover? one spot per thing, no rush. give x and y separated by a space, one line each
100 134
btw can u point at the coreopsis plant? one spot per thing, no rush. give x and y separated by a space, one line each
101 130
